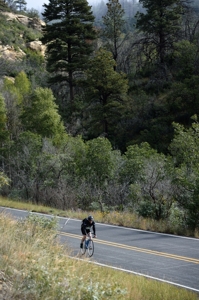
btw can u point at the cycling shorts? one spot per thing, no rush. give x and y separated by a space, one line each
85 230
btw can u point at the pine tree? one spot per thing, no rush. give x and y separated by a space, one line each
161 25
20 4
113 24
3 5
68 35
105 94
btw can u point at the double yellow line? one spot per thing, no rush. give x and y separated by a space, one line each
132 248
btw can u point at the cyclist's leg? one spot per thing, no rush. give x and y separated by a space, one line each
88 233
83 237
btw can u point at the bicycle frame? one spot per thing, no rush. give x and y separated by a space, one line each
88 246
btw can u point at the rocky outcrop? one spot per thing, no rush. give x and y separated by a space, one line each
29 22
37 46
9 53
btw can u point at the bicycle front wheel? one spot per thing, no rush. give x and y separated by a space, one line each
83 250
90 248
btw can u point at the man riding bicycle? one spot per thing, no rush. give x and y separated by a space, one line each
86 225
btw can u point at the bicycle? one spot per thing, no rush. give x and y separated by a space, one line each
88 245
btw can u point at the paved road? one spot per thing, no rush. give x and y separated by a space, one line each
163 257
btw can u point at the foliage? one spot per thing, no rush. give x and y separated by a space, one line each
4 180
37 222
184 99
106 94
16 35
3 119
184 149
11 33
161 24
13 100
68 36
149 176
9 86
135 157
113 23
46 172
32 13
186 60
99 164
3 6
177 219
25 156
41 115
161 60
23 85
20 5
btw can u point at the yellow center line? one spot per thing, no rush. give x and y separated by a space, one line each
107 243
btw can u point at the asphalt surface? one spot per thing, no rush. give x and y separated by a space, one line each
162 257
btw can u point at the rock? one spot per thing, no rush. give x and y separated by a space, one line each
35 23
37 46
9 53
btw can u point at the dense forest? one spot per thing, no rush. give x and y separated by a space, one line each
107 119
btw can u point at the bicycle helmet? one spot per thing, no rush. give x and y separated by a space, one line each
90 218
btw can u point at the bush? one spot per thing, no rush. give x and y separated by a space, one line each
177 219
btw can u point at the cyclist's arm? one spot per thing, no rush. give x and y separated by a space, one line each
94 230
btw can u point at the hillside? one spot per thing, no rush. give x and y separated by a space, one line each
19 42
94 127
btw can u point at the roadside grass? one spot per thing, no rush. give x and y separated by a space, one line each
125 219
37 266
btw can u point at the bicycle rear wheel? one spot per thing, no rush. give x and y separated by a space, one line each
90 248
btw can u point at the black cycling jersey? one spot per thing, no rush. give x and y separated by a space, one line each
86 226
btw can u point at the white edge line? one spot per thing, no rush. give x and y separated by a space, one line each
66 221
115 226
138 274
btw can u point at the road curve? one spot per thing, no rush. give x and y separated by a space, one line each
163 257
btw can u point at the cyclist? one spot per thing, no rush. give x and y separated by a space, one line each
87 223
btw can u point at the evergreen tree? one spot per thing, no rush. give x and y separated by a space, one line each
68 35
113 24
105 95
3 5
161 25
20 5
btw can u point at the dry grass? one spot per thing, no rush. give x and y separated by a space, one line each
39 268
